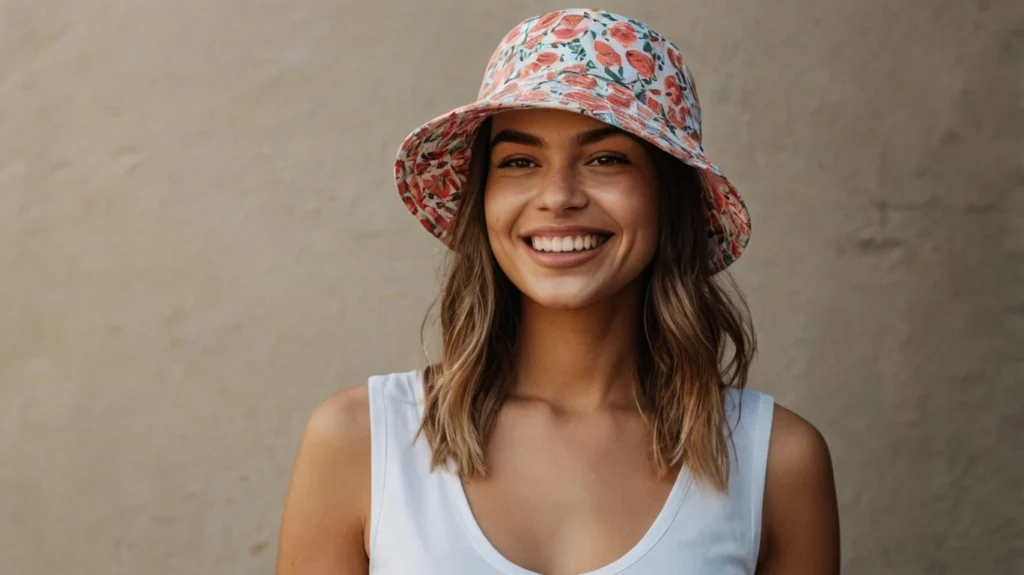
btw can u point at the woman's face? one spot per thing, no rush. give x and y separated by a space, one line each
571 206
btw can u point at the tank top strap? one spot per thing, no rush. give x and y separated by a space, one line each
395 408
749 416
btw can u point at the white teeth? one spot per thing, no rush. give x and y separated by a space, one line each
566 244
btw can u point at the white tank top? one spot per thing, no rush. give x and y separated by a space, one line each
421 522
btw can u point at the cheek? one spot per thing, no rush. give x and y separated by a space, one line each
500 213
647 207
636 212
493 212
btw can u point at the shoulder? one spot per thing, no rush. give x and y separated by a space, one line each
801 525
328 501
341 419
336 442
336 446
797 450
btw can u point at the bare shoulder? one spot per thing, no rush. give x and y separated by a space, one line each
342 421
328 502
800 518
797 450
336 440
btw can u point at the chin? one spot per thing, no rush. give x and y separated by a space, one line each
562 297
559 302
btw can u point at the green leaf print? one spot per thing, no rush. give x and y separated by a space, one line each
611 74
648 48
608 17
578 50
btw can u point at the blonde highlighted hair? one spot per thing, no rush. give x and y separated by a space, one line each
698 336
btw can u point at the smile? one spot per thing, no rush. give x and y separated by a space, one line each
576 243
566 248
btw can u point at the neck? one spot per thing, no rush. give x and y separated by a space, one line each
580 359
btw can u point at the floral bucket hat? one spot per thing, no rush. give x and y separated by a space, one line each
612 68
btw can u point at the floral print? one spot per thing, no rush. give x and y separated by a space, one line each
612 68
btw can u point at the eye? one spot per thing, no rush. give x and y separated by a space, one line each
516 163
610 160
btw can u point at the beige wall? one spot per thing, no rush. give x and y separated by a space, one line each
199 239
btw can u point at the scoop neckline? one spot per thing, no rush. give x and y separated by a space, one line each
658 528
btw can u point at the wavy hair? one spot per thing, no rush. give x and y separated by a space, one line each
698 341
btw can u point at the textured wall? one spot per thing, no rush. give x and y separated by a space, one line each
199 239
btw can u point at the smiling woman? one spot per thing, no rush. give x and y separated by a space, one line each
588 411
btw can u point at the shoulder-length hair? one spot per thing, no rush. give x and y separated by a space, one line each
698 336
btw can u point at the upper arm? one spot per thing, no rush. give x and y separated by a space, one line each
328 501
800 513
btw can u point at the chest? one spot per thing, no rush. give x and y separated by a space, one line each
563 498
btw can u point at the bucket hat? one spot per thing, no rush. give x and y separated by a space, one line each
610 67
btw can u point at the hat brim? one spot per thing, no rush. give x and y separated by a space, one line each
433 161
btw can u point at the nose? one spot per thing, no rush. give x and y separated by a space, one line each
560 191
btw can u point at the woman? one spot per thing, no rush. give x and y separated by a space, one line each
587 414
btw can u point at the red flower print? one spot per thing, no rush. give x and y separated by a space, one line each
533 42
530 69
432 183
406 198
645 113
566 34
623 33
626 120
533 96
588 101
504 73
654 105
689 142
643 63
460 160
685 111
570 21
675 57
722 203
449 129
577 81
430 211
676 118
512 34
547 20
674 90
619 96
619 101
441 186
606 55
547 58
508 89
576 69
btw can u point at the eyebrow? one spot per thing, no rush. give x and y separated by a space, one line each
527 139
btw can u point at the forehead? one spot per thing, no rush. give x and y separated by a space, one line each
544 122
